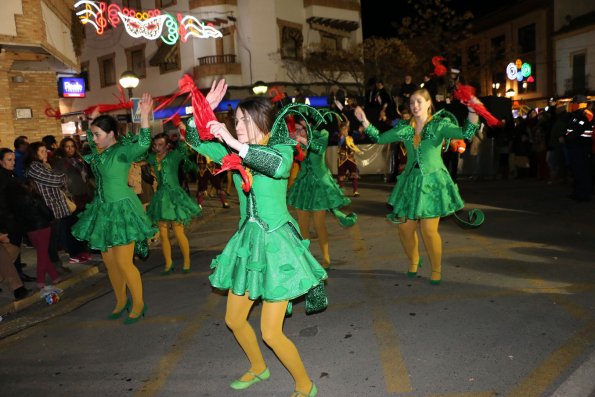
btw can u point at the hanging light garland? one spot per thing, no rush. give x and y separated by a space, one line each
150 24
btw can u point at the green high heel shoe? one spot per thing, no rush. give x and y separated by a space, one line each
419 264
313 392
244 384
437 281
131 320
168 271
118 314
186 271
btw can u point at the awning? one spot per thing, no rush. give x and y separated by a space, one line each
332 25
165 54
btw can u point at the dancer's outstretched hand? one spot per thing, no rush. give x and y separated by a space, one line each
216 94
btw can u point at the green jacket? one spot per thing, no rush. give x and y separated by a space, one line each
443 126
269 165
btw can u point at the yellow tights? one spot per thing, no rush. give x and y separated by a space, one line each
166 245
432 242
271 328
123 273
321 231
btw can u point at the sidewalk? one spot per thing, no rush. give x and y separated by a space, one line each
9 308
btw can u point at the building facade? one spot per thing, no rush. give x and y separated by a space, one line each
256 36
35 45
527 33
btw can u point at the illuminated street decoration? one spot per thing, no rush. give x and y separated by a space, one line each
150 24
519 70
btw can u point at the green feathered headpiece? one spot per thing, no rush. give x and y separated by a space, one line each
280 130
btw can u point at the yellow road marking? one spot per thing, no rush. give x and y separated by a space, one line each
396 375
168 362
556 363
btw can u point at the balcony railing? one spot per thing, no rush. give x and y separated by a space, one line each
217 59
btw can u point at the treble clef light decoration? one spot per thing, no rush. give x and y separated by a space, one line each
146 24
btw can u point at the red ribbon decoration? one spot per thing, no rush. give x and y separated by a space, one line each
51 112
177 122
439 68
300 155
234 162
200 106
464 93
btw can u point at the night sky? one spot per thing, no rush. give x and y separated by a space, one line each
376 18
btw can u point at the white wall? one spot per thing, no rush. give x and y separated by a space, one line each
565 48
7 17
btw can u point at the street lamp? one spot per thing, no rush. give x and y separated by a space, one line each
259 88
129 80
495 88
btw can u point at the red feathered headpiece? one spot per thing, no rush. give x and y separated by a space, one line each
439 68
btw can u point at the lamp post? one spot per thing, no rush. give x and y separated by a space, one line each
495 88
129 80
259 88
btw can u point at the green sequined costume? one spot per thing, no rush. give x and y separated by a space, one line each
424 189
266 257
315 188
170 202
116 215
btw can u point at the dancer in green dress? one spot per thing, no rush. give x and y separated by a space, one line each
424 192
266 258
116 219
315 191
171 205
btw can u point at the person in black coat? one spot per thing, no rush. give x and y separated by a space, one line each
24 211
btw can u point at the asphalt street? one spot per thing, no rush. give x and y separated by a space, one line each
514 316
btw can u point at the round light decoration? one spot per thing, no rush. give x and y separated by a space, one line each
511 71
519 71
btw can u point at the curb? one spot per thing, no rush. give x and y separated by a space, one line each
13 326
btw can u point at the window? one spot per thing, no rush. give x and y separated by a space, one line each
135 59
473 55
579 81
291 42
164 3
134 4
498 49
167 58
527 39
85 74
330 42
107 70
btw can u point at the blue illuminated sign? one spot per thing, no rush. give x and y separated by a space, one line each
72 87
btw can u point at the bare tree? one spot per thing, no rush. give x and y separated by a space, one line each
349 68
434 29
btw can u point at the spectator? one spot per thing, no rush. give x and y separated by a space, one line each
10 226
51 144
67 160
406 89
579 141
34 217
20 148
49 184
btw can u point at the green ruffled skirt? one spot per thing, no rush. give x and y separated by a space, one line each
312 192
418 196
273 266
172 204
109 224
